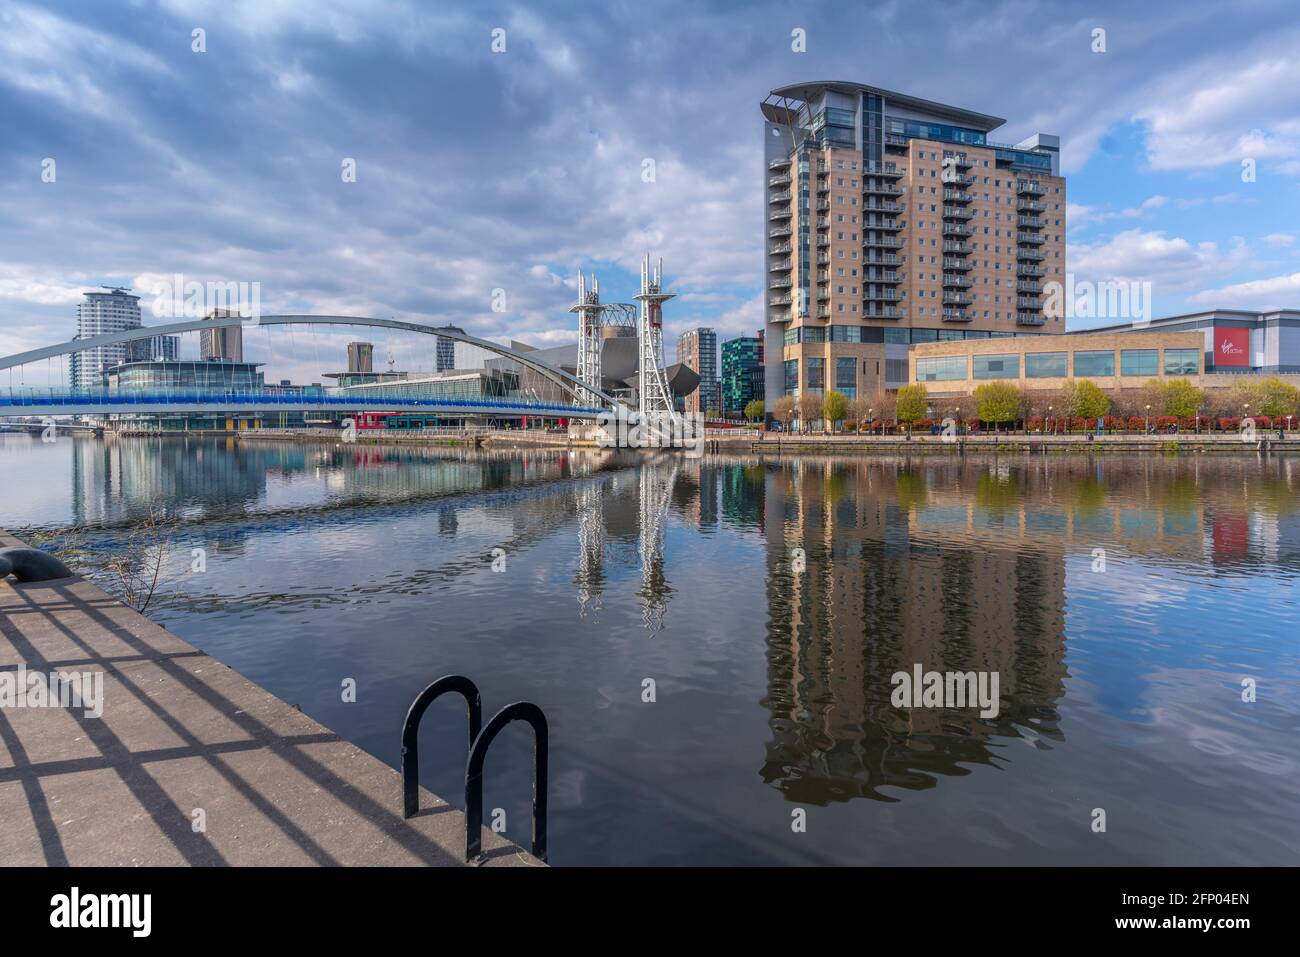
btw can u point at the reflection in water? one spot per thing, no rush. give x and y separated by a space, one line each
1118 688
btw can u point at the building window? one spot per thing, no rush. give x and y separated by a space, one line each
1046 365
941 369
792 377
996 367
814 373
846 372
1182 361
1094 363
1138 362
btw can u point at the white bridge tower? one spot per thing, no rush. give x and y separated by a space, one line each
590 319
655 402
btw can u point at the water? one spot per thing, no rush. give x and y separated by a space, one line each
1121 689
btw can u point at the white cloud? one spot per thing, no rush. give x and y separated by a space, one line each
1170 264
1276 292
1279 240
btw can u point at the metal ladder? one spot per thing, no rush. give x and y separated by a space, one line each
480 739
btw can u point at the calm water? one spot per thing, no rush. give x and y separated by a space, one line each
1121 689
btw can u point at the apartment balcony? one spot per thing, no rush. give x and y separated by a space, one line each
1031 238
823 242
1030 319
823 206
882 189
1025 270
1031 222
1030 187
781 249
892 225
955 280
956 196
1025 285
956 299
823 295
894 139
881 259
778 181
883 276
779 164
883 169
779 215
1028 252
883 312
953 246
823 187
823 312
960 160
883 242
957 212
957 315
884 207
1030 206
955 263
779 301
779 284
882 295
779 232
780 265
823 259
781 197
956 229
1029 302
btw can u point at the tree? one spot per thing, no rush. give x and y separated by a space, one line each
754 410
835 407
1275 397
911 403
784 411
998 401
883 406
1182 399
1084 399
810 409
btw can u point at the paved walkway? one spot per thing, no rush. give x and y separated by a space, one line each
181 733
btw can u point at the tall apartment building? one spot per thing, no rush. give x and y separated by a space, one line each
361 356
99 314
446 354
740 357
892 220
698 350
222 342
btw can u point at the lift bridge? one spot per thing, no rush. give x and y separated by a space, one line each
522 385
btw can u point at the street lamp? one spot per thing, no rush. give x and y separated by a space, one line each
1148 417
871 417
1049 419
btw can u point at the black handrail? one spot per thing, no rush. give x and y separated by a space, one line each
411 732
519 711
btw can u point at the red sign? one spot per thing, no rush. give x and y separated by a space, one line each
1231 347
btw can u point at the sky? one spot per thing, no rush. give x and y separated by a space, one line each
486 178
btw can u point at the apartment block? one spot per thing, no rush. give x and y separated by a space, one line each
698 350
892 220
740 357
101 313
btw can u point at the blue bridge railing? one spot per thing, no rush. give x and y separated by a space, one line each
90 399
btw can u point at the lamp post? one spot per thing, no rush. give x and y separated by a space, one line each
871 417
1148 417
1050 419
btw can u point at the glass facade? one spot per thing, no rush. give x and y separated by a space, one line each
792 377
940 368
1139 362
1182 361
1094 363
1046 365
996 367
846 376
814 373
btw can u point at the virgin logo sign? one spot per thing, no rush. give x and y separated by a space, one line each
1232 347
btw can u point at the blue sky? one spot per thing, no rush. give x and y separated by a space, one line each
479 170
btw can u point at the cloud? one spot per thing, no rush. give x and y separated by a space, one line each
1279 240
1170 264
1276 292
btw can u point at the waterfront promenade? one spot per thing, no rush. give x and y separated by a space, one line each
185 741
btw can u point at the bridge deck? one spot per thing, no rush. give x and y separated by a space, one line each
180 731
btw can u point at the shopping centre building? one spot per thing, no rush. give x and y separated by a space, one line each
1210 348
